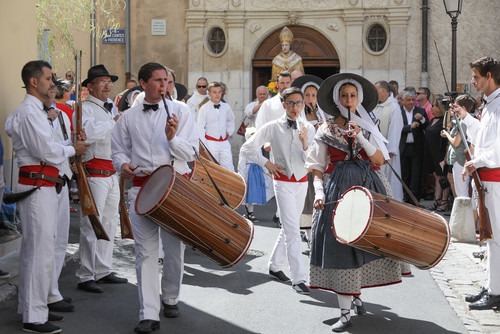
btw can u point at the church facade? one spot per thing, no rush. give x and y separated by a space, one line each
234 41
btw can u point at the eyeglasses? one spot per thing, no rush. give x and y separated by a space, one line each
201 86
291 103
105 83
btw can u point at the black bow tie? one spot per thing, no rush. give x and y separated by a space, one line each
150 106
47 109
108 106
292 124
216 106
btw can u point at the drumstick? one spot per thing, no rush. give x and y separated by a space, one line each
145 172
166 107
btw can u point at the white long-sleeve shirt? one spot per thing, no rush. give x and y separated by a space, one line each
391 123
270 110
139 139
215 123
486 148
286 146
33 137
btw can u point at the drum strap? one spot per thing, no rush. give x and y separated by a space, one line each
223 199
413 198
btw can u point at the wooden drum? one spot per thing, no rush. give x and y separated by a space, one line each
181 208
232 185
381 225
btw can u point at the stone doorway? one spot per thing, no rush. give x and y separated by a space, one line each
319 57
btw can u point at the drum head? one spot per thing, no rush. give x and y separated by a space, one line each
155 190
352 215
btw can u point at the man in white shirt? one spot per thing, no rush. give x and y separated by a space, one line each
251 110
391 124
290 137
99 116
39 155
145 138
486 160
273 108
215 121
199 95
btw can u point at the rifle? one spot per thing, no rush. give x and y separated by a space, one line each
87 201
485 231
125 227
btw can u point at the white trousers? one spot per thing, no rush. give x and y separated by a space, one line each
96 256
461 186
492 199
36 261
397 187
61 242
221 150
146 238
290 197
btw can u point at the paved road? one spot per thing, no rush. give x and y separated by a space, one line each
243 299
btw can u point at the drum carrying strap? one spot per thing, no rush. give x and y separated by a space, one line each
223 199
413 198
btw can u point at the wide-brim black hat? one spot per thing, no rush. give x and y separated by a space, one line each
181 91
123 104
98 71
307 80
325 93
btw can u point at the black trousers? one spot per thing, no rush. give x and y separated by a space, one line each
411 170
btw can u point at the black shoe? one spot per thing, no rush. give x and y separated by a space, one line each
279 275
170 311
90 286
68 300
486 302
41 328
276 220
55 317
61 306
147 326
359 310
252 217
4 274
112 279
475 298
301 288
344 322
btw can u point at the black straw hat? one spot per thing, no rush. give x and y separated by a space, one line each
181 91
125 102
325 93
98 71
307 80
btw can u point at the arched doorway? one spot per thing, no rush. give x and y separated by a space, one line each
319 57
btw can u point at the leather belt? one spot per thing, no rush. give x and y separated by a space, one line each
104 172
40 176
59 181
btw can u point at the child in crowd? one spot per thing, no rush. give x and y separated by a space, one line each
259 181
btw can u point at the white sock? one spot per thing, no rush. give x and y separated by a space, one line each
344 304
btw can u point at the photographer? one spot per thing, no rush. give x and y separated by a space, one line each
455 156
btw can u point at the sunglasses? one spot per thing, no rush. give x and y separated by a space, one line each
201 86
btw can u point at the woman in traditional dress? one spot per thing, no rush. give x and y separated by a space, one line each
352 143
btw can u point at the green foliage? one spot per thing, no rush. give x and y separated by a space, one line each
66 18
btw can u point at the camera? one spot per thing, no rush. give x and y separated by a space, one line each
449 100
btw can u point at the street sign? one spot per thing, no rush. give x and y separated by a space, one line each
114 36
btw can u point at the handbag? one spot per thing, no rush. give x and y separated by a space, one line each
243 127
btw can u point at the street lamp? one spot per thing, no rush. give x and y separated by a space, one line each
453 9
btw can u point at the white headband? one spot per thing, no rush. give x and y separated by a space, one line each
365 120
309 84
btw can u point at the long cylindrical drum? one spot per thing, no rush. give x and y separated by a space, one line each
232 185
183 209
381 225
